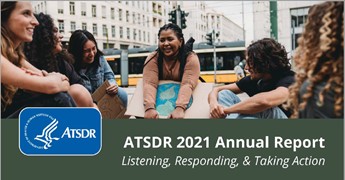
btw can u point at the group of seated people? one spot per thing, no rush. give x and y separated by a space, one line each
48 75
38 72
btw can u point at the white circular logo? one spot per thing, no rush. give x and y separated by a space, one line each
40 138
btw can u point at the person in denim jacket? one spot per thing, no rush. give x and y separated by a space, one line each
91 65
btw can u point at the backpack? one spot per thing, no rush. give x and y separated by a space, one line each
188 48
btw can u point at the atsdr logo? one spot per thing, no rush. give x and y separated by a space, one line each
60 131
45 137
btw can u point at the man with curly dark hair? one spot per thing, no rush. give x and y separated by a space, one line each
267 85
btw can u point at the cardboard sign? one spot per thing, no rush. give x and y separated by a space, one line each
110 107
198 109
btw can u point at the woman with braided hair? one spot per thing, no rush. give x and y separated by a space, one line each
172 61
318 90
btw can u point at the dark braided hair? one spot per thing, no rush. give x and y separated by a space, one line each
181 55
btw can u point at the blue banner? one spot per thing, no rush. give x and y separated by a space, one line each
60 131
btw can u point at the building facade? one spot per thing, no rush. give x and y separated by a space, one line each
115 24
130 24
202 20
291 17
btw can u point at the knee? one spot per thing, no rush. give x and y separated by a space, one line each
228 98
122 94
225 93
274 113
81 95
64 100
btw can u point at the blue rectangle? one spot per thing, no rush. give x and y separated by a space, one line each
60 131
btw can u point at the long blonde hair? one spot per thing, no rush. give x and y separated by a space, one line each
320 56
14 55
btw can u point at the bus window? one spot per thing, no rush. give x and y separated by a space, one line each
136 65
115 66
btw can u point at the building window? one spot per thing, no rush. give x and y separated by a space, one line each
123 46
121 32
120 14
299 17
104 12
133 17
298 20
113 31
73 26
105 30
144 36
71 8
93 10
139 35
83 9
61 26
148 37
128 33
108 45
84 26
127 16
148 22
112 13
94 29
134 34
138 18
60 7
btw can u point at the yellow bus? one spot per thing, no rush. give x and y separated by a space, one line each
128 64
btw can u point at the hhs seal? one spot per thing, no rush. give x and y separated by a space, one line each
60 131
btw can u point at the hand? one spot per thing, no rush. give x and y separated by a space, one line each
217 111
112 89
178 113
62 77
151 114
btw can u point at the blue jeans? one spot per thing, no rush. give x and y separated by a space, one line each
227 98
122 94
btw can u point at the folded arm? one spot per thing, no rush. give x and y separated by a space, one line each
50 84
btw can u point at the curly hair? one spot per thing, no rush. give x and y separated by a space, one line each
40 51
320 57
9 51
268 56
